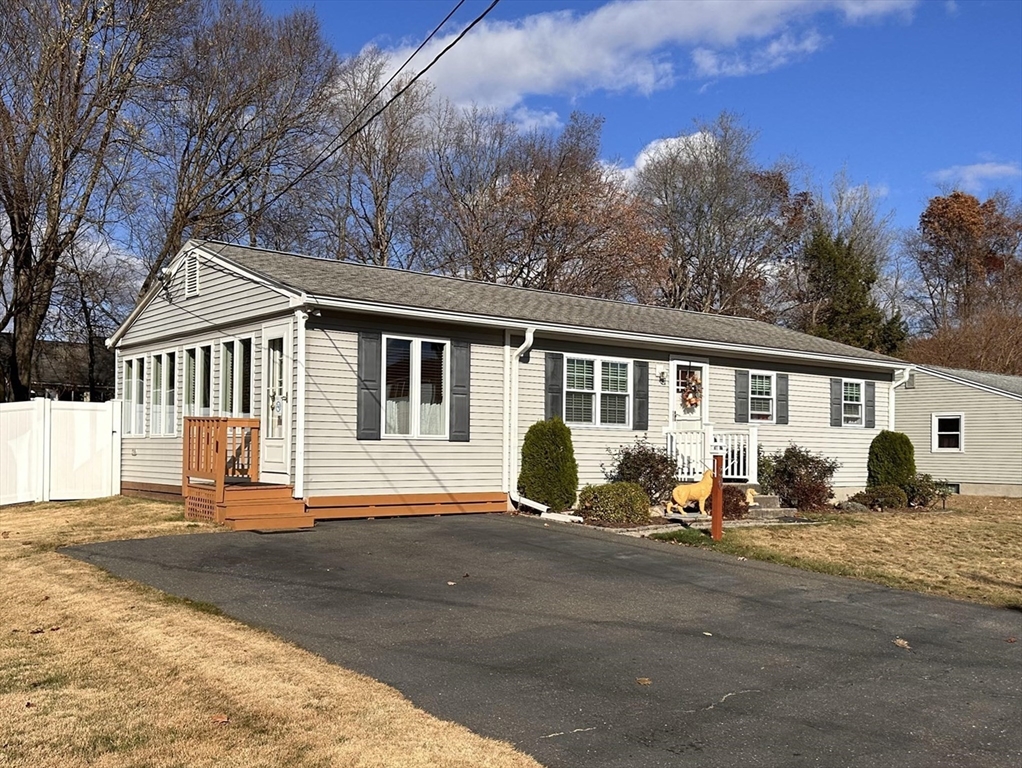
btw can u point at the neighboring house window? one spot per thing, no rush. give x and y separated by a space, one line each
198 381
134 396
191 270
851 405
761 397
597 391
946 432
163 416
415 383
236 378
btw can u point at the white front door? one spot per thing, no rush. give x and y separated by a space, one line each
275 428
689 405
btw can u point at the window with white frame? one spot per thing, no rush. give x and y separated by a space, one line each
946 432
163 398
198 381
851 403
236 377
415 382
761 397
597 391
134 396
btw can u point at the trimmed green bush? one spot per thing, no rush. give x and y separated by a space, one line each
549 472
892 460
652 467
618 504
800 478
882 497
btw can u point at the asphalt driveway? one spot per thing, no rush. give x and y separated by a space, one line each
588 649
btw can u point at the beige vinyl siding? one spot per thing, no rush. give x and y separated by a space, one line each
336 463
224 300
992 431
157 459
808 419
590 443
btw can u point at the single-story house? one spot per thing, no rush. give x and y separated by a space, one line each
355 390
966 427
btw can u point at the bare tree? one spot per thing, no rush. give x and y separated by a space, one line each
726 221
71 74
239 113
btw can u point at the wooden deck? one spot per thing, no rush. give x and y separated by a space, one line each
220 484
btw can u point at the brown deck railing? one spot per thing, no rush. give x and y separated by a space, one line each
220 449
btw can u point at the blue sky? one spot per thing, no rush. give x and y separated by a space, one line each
905 95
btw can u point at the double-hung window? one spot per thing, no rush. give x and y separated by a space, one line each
761 397
236 378
597 391
134 396
163 419
416 382
851 403
198 382
946 432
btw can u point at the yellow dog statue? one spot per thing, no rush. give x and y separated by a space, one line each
685 494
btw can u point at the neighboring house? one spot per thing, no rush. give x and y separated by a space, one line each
966 427
63 371
363 390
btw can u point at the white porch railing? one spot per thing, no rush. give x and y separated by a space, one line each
694 448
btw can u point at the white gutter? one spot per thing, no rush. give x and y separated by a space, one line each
512 456
301 315
395 310
899 378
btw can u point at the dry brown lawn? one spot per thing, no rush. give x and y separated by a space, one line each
101 672
973 550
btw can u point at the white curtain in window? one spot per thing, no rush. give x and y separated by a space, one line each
398 416
432 416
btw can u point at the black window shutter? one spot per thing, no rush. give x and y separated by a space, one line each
554 385
741 397
782 398
640 395
836 402
461 374
370 379
871 404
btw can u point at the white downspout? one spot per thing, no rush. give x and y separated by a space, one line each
899 378
301 315
530 337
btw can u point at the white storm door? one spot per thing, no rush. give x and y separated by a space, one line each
275 427
688 404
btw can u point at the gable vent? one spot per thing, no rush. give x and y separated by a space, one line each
191 275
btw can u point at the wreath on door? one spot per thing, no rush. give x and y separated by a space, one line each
691 389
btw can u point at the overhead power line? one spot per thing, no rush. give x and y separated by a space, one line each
322 158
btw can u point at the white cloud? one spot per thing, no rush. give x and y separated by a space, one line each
527 119
693 143
974 178
632 45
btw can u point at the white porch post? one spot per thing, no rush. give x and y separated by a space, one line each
707 457
753 458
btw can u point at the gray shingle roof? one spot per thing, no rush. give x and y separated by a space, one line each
345 280
1010 384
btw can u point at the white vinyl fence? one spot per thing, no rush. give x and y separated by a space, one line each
53 450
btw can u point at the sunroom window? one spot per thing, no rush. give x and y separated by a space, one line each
163 417
134 396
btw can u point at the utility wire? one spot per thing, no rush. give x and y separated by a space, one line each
321 158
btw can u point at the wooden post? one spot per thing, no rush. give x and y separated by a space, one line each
717 521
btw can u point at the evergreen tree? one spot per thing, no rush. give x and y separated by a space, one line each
839 302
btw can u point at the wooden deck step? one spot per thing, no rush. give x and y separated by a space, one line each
280 523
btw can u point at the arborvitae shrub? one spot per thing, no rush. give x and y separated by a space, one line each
652 467
882 497
801 479
614 504
892 460
549 472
